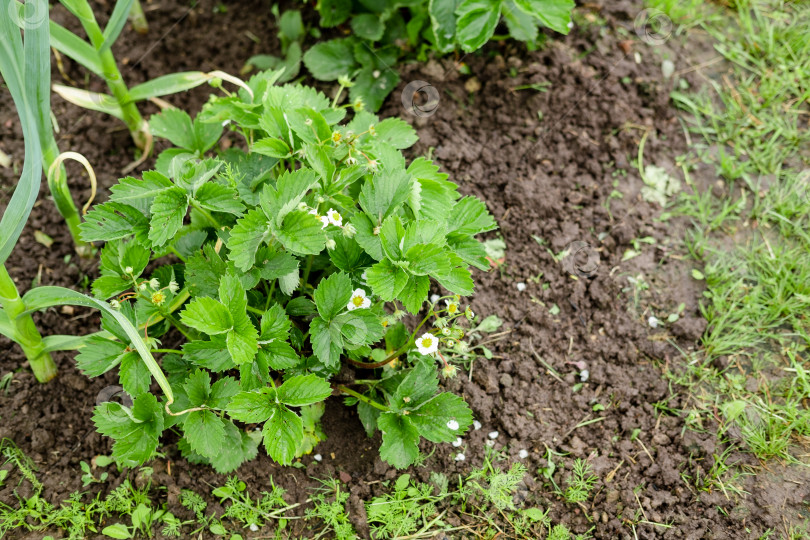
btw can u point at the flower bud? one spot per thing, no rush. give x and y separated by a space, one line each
174 287
349 231
449 371
128 270
330 244
154 283
115 304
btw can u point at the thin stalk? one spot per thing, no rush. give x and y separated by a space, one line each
26 334
137 18
396 353
57 182
180 326
138 128
206 214
306 272
362 398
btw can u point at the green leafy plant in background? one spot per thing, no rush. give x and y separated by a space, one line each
26 67
382 32
96 55
289 261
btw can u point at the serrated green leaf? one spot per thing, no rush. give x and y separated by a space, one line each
419 385
111 221
290 189
427 259
205 432
135 436
207 315
368 26
332 295
400 445
99 355
177 126
373 84
168 210
555 14
271 147
521 25
237 448
359 327
212 355
470 216
386 280
130 190
252 407
247 235
198 388
458 281
133 374
432 418
327 341
283 433
476 22
304 390
219 198
203 272
414 293
273 263
302 233
397 133
329 60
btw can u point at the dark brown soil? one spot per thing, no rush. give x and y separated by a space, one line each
549 179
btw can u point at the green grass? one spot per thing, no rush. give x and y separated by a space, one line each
484 500
751 125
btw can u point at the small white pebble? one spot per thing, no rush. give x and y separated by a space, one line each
584 374
434 298
253 527
490 443
521 286
653 322
667 68
476 425
458 442
570 24
492 435
637 57
460 457
452 424
523 454
318 457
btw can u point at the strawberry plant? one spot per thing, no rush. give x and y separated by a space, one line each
279 271
382 32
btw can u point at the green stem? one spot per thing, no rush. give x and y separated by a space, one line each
167 351
26 334
137 18
180 326
306 272
396 353
206 214
115 82
362 398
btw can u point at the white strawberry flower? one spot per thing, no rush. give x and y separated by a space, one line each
324 219
452 306
427 344
334 217
359 300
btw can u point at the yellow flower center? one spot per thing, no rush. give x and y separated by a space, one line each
427 342
452 308
357 300
158 298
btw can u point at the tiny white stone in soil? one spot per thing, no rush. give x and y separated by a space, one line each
584 374
523 454
476 425
318 457
253 527
521 286
458 442
493 435
460 457
452 424
653 322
